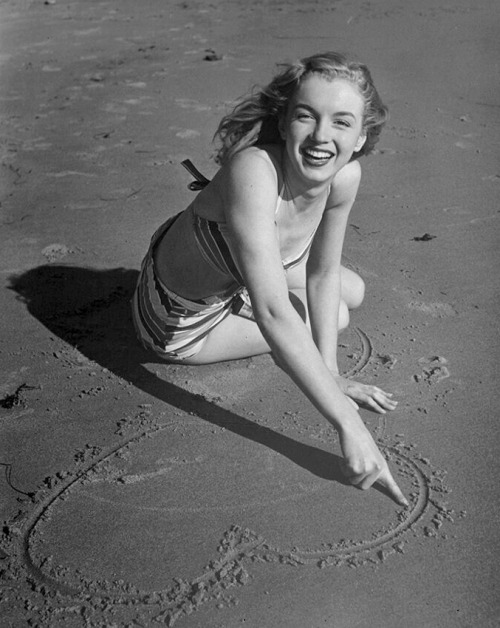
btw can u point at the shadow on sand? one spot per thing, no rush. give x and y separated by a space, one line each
90 310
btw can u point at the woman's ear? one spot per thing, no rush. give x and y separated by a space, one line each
360 143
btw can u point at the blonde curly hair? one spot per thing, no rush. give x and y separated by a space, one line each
254 120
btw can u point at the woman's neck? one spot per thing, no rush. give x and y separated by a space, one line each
302 195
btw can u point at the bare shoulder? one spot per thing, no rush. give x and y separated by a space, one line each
249 191
345 184
252 168
248 179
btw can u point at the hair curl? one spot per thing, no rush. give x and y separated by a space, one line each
254 120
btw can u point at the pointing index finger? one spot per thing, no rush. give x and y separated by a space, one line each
388 482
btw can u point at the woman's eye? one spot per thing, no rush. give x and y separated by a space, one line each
344 123
304 116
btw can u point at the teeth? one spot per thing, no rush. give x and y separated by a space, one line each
317 154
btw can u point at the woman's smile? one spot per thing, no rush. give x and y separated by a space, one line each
322 128
316 157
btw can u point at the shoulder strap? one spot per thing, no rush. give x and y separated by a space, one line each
200 180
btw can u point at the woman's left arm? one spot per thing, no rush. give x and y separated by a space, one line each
324 286
324 262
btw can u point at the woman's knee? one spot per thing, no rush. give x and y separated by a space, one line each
353 288
358 292
343 315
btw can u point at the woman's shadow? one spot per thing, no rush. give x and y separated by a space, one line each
90 310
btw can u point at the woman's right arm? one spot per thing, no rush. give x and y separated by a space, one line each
249 194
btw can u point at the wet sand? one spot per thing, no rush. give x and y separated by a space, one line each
134 493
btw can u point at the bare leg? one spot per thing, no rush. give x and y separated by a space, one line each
353 287
352 294
237 337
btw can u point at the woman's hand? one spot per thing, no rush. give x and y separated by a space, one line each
363 463
371 397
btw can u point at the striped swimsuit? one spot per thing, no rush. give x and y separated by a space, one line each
174 327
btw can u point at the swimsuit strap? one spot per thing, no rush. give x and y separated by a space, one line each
200 180
280 197
211 236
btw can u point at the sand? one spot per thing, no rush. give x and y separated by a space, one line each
134 493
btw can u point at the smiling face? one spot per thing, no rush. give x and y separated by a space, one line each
322 128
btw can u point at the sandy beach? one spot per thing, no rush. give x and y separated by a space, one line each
136 493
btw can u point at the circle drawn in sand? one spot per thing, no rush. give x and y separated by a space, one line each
364 357
349 550
239 548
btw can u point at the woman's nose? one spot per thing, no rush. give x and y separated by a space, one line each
322 131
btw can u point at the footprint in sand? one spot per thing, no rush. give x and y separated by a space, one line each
436 309
434 370
55 252
491 177
189 103
187 134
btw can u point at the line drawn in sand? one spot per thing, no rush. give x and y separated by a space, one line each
62 596
366 353
58 590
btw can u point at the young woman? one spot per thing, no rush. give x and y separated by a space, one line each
253 265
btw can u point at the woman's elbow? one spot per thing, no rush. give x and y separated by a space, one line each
270 316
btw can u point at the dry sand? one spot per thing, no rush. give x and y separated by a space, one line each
133 492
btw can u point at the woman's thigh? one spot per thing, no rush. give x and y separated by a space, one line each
234 338
237 337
